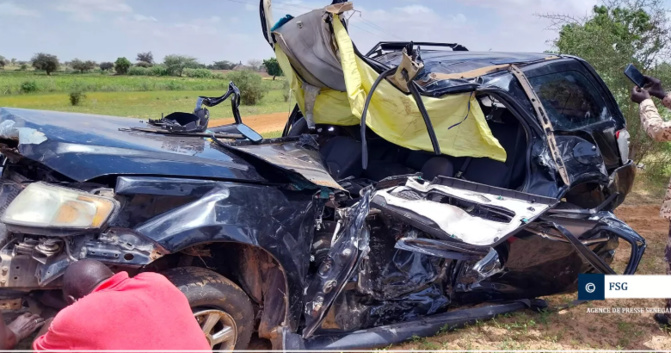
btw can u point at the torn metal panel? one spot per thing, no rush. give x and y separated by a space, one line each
479 218
299 157
350 246
281 222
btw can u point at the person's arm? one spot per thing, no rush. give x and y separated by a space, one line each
652 123
654 126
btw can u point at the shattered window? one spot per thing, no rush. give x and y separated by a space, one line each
570 100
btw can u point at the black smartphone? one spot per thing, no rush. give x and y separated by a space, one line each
634 75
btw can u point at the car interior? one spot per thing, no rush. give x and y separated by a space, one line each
341 152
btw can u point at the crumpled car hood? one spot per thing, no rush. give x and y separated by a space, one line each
86 146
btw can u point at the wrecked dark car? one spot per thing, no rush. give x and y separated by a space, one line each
416 187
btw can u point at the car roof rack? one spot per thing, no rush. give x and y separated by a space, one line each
382 47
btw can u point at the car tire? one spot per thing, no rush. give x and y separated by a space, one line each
209 291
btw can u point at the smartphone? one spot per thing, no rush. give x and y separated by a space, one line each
634 75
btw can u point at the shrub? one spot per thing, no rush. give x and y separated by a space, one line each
29 86
198 73
138 71
77 97
23 67
158 70
121 66
251 86
76 93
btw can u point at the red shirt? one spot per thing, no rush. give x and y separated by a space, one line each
146 312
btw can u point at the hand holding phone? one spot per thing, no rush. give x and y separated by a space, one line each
635 76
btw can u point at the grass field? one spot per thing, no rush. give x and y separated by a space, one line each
11 82
129 96
142 104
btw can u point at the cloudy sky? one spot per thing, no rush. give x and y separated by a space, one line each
210 30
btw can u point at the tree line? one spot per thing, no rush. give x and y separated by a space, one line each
173 65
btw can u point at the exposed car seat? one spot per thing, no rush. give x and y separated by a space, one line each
436 166
510 174
342 156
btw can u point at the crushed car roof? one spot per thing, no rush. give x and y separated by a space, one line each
448 61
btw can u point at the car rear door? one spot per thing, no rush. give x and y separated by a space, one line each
578 103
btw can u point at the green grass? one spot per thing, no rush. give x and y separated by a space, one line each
142 104
129 96
11 82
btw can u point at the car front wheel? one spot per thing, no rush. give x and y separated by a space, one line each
222 309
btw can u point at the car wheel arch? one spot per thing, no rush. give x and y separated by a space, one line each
254 269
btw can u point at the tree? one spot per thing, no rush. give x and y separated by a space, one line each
146 58
45 62
13 61
3 61
273 67
121 66
613 35
223 65
254 64
176 64
104 66
82 66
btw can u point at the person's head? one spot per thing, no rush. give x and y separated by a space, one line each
82 277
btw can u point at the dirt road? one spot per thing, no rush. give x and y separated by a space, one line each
261 123
575 328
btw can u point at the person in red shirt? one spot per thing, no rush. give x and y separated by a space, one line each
110 311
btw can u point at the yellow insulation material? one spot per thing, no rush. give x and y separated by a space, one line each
394 115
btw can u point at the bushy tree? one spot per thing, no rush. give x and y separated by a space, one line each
105 66
615 34
222 65
175 64
146 59
3 61
273 67
121 66
250 84
45 62
82 66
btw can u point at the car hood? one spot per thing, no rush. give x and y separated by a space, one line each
86 146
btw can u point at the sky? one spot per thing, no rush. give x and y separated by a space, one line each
213 30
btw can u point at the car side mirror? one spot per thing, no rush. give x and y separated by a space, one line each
249 133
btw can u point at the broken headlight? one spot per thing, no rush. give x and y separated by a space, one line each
41 205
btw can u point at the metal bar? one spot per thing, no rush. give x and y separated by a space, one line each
396 333
543 119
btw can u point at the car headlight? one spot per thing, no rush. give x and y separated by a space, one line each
41 205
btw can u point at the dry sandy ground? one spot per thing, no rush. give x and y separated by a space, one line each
575 328
261 123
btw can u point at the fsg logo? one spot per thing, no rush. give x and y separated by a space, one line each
617 286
